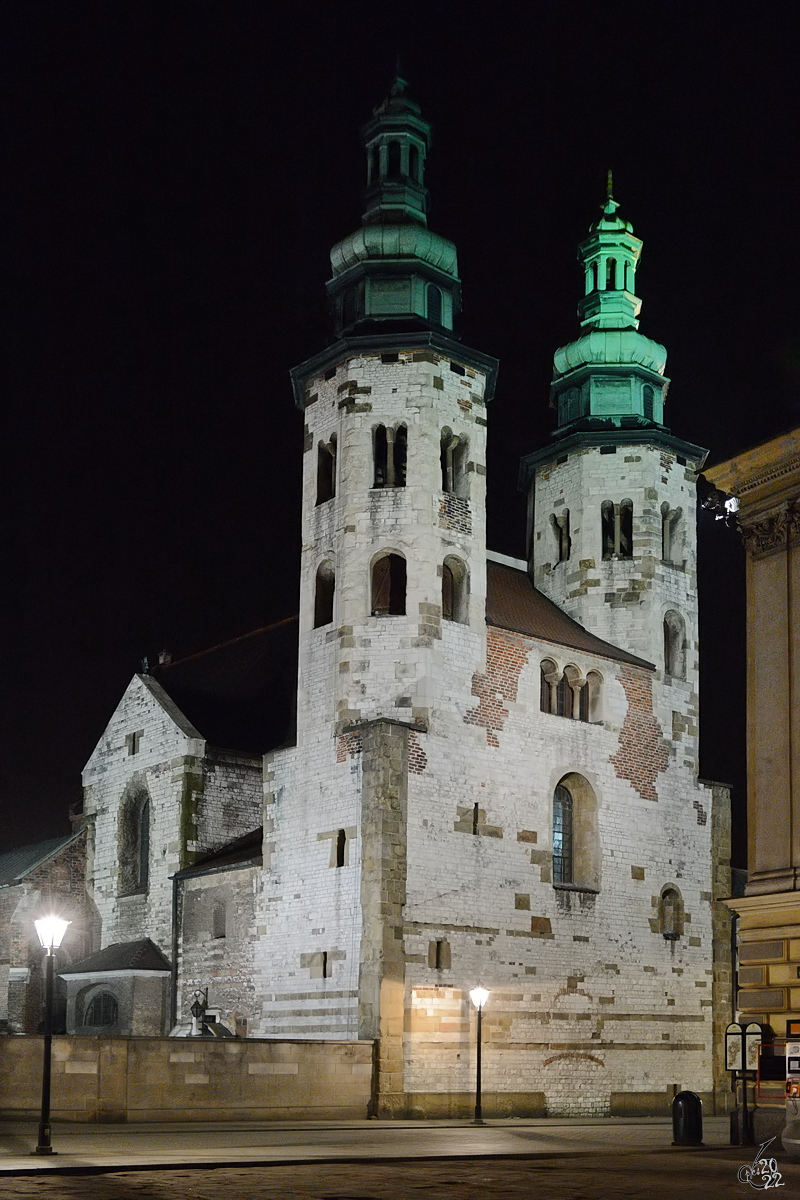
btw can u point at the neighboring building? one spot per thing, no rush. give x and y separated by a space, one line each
490 769
765 481
35 881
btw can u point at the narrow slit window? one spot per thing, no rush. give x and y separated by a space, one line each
607 528
413 163
476 818
626 529
564 697
400 455
144 846
326 471
393 161
381 456
341 848
323 595
611 274
434 304
562 835
647 402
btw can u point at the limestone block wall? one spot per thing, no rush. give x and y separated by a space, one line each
217 921
232 799
620 600
589 1000
143 752
168 1079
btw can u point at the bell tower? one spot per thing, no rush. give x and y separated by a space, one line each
394 483
611 501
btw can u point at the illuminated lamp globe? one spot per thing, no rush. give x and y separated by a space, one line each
51 931
479 996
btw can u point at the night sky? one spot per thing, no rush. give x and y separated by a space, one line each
175 175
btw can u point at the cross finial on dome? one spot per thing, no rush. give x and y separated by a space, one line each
400 84
611 205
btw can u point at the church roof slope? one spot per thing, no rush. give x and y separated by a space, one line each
16 864
241 694
142 955
512 602
242 851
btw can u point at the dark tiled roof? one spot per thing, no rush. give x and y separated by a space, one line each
240 695
16 864
122 956
245 849
512 602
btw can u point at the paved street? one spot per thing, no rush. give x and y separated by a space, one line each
657 1175
578 1159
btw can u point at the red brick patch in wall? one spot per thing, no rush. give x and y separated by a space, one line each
505 658
417 758
347 743
642 753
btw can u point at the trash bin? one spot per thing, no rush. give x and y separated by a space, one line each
687 1119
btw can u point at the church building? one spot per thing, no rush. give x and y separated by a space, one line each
451 767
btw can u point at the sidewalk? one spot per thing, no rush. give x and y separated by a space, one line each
100 1148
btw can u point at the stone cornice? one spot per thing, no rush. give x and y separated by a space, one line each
772 531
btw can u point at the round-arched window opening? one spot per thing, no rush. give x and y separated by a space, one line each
102 1010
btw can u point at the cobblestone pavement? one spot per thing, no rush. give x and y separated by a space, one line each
672 1175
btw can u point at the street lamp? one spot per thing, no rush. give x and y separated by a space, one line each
478 996
50 931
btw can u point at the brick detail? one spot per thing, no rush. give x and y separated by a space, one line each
347 743
505 658
417 758
454 513
702 815
642 752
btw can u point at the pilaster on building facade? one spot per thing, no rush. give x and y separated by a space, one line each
486 767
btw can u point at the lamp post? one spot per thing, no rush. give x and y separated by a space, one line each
478 996
50 931
198 1011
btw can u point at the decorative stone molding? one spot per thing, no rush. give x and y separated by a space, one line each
771 532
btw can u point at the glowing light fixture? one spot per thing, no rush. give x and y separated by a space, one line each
479 996
50 931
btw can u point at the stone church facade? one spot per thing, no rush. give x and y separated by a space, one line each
451 767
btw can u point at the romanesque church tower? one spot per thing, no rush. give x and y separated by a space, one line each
611 508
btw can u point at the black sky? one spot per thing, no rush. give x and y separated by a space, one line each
175 174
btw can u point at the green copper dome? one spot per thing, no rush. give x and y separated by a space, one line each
611 376
393 270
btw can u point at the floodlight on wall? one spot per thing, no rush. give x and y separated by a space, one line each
478 995
50 931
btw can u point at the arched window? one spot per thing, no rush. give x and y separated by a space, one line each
671 542
454 451
576 837
562 835
670 914
607 528
647 401
393 161
102 1009
219 923
434 297
324 589
143 860
563 542
626 529
413 163
389 586
455 605
564 697
134 840
326 471
380 456
674 645
611 274
628 280
547 700
593 693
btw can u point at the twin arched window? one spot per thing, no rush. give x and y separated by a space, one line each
390 454
616 529
567 694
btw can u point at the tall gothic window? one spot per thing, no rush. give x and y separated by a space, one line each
562 835
326 471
